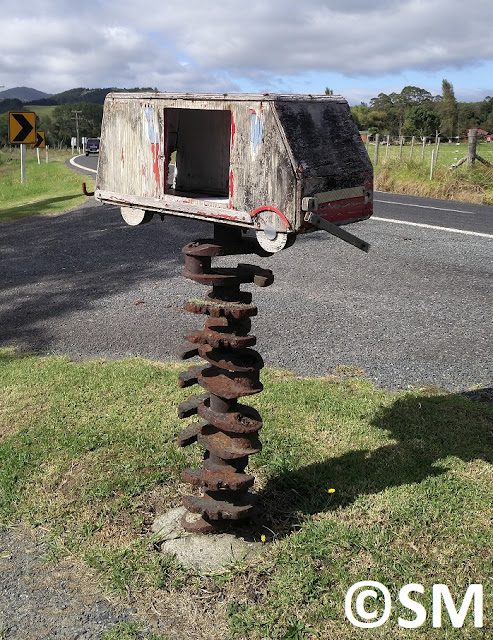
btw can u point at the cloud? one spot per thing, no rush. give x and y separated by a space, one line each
352 37
221 45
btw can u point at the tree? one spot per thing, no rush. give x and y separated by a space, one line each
397 105
408 98
486 114
4 128
413 96
388 116
11 104
447 109
469 115
368 119
63 125
422 121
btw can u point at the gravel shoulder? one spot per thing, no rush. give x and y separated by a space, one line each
39 601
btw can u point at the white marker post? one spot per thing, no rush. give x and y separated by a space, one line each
23 163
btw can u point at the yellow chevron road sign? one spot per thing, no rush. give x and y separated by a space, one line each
40 140
22 127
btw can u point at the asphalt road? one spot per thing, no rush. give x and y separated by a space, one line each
459 216
415 310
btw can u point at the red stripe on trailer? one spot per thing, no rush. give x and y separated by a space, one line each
155 166
269 208
344 210
233 130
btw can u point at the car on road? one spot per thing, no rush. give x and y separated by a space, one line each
92 146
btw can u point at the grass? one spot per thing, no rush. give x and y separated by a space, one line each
354 482
42 110
412 175
49 187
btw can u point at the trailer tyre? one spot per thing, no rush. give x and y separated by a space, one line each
274 241
272 231
134 216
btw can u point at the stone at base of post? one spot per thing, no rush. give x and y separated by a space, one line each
203 553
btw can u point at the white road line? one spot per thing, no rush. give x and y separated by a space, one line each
432 226
425 206
80 166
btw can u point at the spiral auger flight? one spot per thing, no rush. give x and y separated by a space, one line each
227 430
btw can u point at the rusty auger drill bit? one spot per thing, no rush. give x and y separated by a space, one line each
228 430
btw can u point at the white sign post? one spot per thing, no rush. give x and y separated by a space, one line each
23 163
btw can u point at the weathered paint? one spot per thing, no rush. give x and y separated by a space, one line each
152 134
278 150
233 129
256 131
155 167
231 188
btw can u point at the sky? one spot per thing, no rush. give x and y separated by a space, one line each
356 48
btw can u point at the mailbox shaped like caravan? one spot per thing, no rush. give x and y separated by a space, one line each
278 164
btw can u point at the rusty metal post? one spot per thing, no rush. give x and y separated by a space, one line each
228 430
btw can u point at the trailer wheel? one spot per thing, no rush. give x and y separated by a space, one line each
274 241
272 232
134 217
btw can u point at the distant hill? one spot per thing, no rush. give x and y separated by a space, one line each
94 96
24 94
32 96
79 94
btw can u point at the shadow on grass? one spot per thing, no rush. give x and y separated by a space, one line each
427 430
38 207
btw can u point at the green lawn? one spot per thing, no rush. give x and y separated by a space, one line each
355 483
49 187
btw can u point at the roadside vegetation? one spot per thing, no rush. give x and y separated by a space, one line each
398 172
354 482
49 187
416 112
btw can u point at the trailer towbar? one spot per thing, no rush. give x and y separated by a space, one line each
332 228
